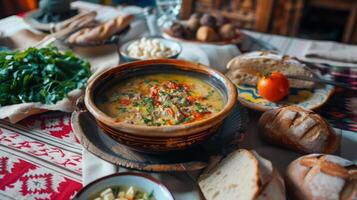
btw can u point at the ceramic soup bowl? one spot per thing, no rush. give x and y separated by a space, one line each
153 139
142 182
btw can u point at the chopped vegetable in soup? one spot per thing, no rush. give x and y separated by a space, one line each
123 193
161 99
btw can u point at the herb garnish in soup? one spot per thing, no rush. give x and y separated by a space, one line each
161 99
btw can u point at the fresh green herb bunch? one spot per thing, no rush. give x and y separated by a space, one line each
43 75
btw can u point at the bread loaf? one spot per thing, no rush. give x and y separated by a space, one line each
243 69
101 32
242 175
322 177
296 128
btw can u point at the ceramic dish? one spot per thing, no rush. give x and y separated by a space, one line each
46 27
168 137
98 143
236 40
305 98
143 182
169 43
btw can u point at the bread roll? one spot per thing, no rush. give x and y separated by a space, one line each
102 32
322 177
242 175
296 128
244 68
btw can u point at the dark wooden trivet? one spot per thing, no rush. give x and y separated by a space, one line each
224 141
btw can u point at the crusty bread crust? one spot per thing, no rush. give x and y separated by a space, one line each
275 189
296 128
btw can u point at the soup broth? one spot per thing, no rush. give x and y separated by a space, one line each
123 193
161 99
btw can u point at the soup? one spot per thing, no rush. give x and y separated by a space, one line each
161 99
123 193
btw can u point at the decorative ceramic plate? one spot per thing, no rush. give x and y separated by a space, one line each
29 19
223 142
306 98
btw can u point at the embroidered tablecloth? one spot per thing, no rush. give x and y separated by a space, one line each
40 158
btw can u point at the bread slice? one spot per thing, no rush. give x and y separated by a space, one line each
245 69
242 175
272 185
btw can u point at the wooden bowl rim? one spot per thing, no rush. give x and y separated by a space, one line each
168 130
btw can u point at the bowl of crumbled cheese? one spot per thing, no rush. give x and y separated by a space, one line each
149 48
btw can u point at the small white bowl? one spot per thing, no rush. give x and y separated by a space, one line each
169 43
137 180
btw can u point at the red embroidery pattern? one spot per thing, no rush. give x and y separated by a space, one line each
35 174
41 150
57 124
24 180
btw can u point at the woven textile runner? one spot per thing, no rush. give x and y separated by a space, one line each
40 158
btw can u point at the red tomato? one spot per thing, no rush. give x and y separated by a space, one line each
197 116
154 91
125 101
172 85
273 87
191 99
171 112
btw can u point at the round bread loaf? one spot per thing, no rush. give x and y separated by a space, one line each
296 128
322 177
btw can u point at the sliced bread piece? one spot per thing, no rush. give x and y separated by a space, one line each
245 69
272 183
242 175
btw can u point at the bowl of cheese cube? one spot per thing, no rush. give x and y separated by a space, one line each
149 48
125 186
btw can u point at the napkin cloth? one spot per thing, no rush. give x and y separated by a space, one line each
331 53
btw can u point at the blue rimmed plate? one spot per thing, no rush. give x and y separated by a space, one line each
306 98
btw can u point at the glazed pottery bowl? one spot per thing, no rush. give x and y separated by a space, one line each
144 182
160 138
169 43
